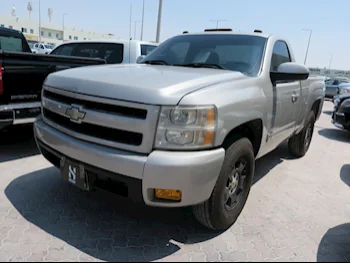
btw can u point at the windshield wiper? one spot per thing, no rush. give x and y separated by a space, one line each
200 65
156 62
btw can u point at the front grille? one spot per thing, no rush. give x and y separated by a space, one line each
123 111
118 124
104 133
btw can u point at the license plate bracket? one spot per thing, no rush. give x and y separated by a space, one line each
27 113
75 174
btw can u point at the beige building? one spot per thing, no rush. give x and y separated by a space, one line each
50 33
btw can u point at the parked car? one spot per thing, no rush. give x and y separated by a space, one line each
113 51
332 86
42 48
184 127
344 88
341 112
22 75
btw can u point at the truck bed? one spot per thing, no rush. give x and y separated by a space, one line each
23 75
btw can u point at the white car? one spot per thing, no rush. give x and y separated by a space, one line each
42 48
113 51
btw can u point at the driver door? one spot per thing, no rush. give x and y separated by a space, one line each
286 99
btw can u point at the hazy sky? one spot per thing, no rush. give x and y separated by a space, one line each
328 20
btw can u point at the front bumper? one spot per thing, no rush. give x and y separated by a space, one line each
194 173
19 113
340 120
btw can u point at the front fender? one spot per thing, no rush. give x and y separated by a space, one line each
236 104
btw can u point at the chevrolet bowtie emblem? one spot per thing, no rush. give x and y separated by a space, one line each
75 114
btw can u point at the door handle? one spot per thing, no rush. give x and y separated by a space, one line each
295 97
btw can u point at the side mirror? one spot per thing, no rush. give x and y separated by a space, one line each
290 71
139 59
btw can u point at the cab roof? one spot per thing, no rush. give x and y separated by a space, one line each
228 32
114 41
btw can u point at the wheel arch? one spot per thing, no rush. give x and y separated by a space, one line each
253 130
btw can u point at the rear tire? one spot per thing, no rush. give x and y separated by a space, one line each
232 188
299 144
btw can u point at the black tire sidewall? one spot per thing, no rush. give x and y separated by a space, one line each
221 218
310 121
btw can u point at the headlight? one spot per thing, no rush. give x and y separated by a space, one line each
345 103
186 127
344 91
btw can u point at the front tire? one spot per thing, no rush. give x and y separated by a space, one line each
299 144
232 188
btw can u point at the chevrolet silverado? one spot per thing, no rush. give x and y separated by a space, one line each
184 127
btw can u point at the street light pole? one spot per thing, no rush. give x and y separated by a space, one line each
330 63
39 22
159 24
308 45
135 28
130 21
63 26
143 18
217 22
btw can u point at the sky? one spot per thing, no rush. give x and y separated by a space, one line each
285 18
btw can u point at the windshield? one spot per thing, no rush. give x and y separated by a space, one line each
48 46
241 53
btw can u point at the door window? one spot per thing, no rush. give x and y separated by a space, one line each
65 50
87 50
280 55
147 49
112 53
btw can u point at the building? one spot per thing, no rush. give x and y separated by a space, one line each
329 72
50 33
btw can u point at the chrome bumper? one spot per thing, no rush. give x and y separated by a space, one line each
193 173
12 114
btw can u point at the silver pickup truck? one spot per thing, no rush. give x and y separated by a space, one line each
184 127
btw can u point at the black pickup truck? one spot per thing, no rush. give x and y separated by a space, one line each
22 74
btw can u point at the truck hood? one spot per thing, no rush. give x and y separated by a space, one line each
149 84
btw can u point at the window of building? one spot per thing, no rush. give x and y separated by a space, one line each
75 38
24 30
50 34
70 37
57 36
2 25
42 33
32 31
11 27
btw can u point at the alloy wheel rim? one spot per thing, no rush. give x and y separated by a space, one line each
234 187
